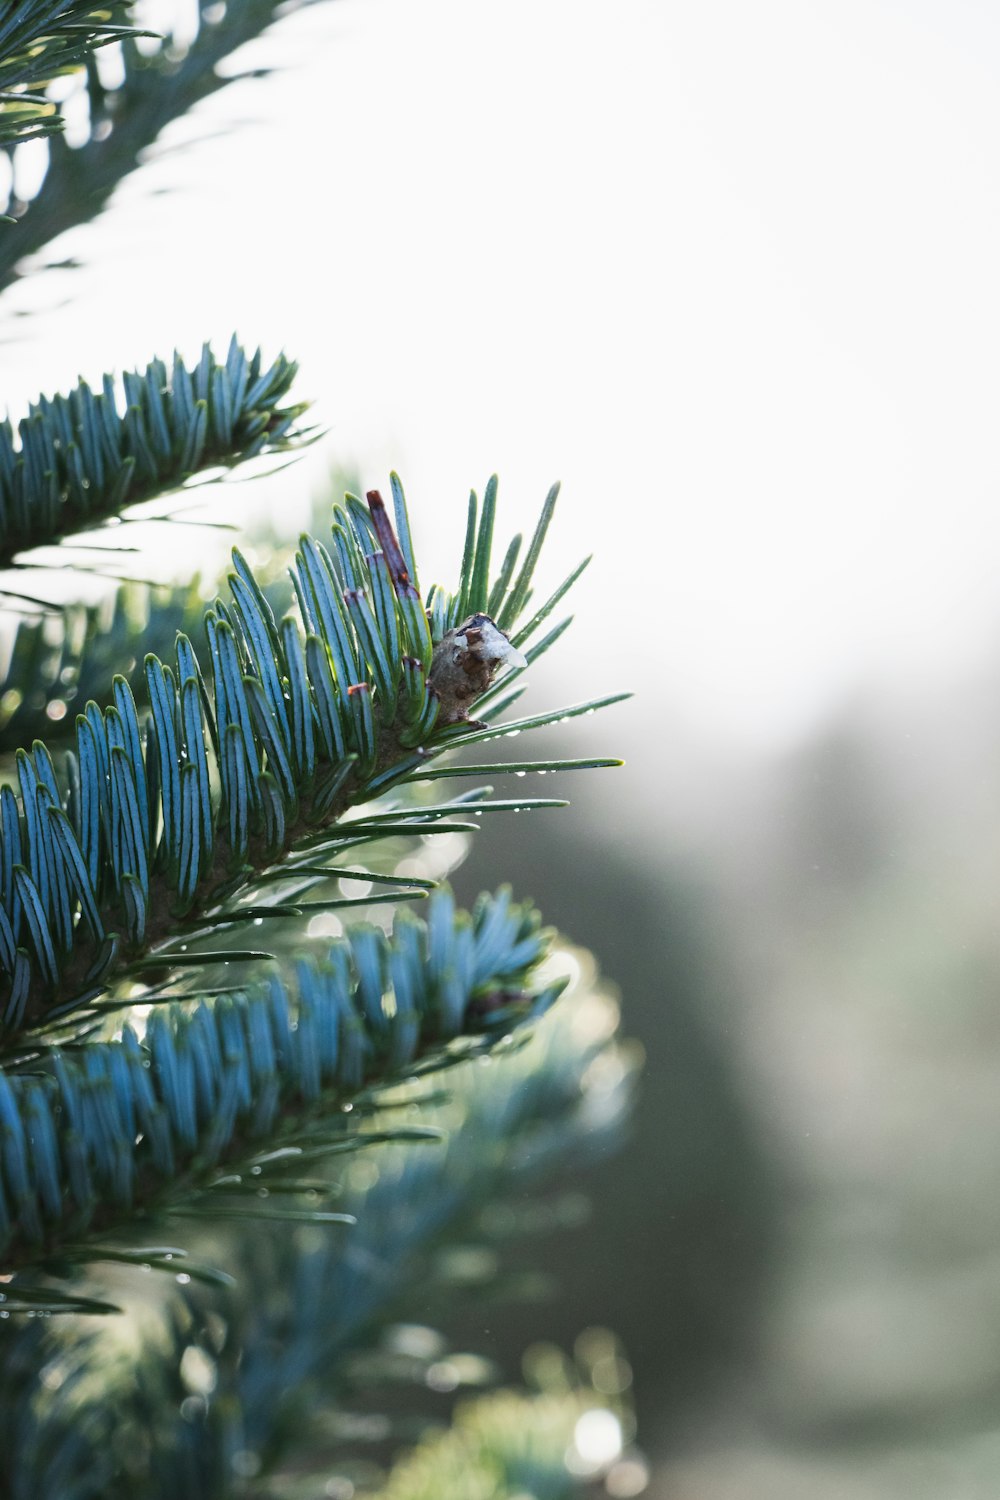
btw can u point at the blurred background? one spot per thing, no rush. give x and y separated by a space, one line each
729 272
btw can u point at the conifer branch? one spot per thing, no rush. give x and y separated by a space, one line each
77 460
57 664
163 825
68 662
162 81
302 1305
132 1129
41 40
230 789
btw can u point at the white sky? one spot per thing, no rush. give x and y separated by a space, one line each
728 270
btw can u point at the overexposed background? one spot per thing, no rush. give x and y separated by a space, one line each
727 270
730 272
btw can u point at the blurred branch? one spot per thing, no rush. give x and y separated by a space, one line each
162 81
41 40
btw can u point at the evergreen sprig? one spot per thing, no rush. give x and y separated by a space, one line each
41 40
131 1128
76 460
252 1374
160 828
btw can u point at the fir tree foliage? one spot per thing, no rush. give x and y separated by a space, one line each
233 800
61 658
134 1127
57 662
264 1375
75 461
41 40
322 1122
170 823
